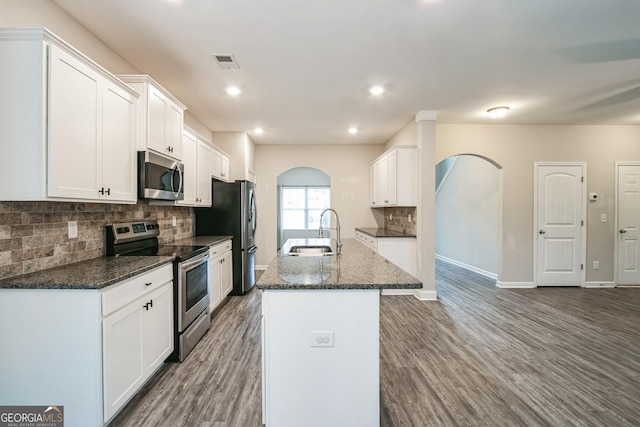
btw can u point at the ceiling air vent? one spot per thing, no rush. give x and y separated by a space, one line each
225 61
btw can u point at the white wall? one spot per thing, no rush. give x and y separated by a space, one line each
346 165
516 148
468 214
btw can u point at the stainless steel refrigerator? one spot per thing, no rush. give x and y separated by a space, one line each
233 213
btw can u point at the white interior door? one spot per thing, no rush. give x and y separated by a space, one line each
628 224
560 201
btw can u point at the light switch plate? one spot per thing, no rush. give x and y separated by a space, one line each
603 217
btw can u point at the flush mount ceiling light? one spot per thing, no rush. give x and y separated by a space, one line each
376 90
498 112
353 130
258 131
233 90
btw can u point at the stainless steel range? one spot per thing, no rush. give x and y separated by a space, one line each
190 278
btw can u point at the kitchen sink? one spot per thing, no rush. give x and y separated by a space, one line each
307 247
310 251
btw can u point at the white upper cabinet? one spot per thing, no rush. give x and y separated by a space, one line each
220 165
197 170
394 178
68 125
160 117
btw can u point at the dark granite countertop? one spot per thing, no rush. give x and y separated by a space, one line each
383 232
95 273
201 240
357 267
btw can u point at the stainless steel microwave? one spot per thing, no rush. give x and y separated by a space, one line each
159 177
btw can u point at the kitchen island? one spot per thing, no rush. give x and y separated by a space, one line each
320 340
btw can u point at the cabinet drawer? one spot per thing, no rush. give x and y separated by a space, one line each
219 248
129 290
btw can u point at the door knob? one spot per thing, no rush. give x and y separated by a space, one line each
541 232
622 231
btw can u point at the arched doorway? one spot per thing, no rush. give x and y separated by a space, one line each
469 213
303 193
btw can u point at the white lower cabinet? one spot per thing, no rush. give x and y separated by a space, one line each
220 273
88 350
399 250
137 336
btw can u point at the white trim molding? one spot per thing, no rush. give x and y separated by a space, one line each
598 285
515 285
480 271
426 294
398 292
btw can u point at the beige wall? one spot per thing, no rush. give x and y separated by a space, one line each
516 148
468 207
408 135
346 165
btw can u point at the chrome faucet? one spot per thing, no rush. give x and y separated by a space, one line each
321 234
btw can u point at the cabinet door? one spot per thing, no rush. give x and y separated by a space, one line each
118 144
73 149
157 332
123 369
224 173
214 279
203 180
173 129
391 179
156 121
189 153
216 164
226 273
380 181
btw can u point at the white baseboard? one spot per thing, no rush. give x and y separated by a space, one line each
480 271
261 267
426 294
398 291
515 285
597 285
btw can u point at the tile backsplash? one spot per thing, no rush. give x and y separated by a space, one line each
397 219
34 235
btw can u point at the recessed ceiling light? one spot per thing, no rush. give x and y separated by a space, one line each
258 131
376 90
353 130
233 90
498 112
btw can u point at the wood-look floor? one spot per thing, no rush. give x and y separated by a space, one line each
480 356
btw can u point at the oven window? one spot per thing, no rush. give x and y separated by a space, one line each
196 284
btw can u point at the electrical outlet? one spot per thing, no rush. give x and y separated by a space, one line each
409 218
596 265
73 229
603 217
321 339
390 217
174 221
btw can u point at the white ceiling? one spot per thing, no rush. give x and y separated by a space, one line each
306 65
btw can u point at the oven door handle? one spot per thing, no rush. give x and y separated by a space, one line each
188 265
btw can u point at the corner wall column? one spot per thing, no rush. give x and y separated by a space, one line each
426 211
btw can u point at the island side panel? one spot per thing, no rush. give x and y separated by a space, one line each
321 386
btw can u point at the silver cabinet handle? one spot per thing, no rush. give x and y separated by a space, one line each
541 232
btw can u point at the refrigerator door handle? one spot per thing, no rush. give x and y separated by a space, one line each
252 249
